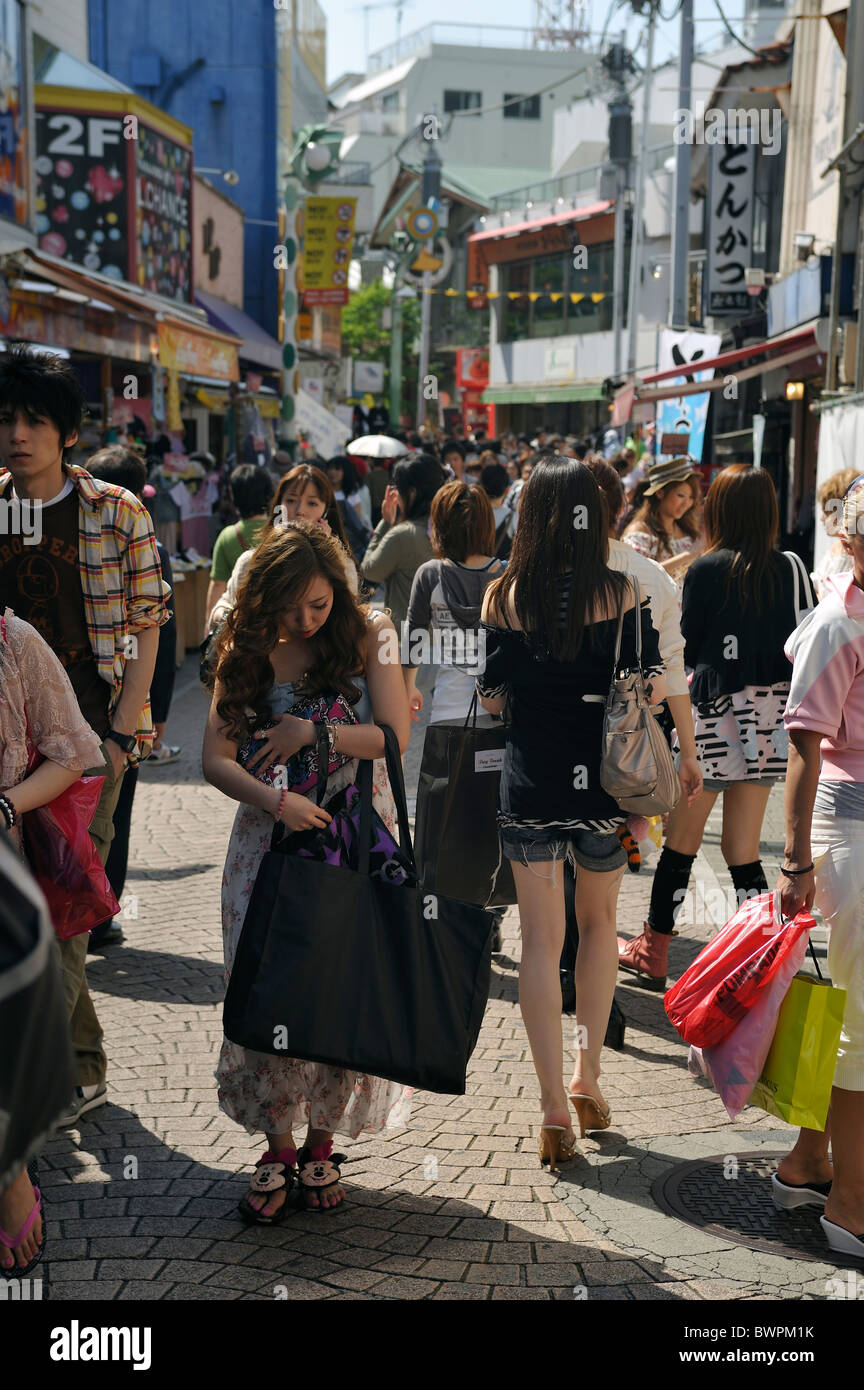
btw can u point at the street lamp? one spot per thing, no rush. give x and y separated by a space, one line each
314 156
230 176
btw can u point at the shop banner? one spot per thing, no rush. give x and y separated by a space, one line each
729 227
685 415
472 368
164 192
328 239
82 189
327 433
182 350
14 151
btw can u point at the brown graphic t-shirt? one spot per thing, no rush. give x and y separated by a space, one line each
42 584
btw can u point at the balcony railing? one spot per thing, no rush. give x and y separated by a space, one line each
461 34
569 186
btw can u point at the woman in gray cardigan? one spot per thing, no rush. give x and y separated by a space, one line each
400 542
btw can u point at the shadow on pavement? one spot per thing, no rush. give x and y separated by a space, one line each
156 976
131 1217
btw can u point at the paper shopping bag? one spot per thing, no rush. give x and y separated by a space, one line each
796 1080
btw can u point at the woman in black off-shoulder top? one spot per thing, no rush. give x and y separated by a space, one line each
550 624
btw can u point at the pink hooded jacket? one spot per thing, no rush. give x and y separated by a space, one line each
827 690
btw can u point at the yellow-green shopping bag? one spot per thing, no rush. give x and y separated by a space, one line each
796 1080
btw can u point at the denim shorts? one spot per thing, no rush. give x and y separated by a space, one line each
586 849
716 784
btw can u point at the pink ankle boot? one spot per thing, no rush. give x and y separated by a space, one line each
646 955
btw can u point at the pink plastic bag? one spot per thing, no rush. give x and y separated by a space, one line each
734 1066
731 973
65 862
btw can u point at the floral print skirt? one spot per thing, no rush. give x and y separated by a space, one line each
268 1094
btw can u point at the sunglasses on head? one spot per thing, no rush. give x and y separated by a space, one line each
856 482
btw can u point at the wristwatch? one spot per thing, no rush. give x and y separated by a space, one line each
127 742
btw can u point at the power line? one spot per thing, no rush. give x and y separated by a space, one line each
731 32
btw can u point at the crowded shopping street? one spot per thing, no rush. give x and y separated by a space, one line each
431 673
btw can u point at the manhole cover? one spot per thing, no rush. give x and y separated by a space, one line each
729 1195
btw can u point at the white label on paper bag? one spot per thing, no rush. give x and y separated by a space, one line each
492 760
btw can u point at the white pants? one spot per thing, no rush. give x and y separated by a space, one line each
838 854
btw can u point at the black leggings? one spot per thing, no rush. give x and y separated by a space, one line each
671 880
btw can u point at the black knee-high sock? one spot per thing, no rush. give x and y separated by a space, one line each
667 892
749 880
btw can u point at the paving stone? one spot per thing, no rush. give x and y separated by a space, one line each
493 1274
399 1264
354 1278
451 1270
70 1290
553 1275
406 1288
119 1246
474 1292
505 1292
457 1250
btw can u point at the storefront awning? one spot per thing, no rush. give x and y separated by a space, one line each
785 350
554 219
541 394
256 344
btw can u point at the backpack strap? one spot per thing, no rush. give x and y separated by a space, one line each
241 538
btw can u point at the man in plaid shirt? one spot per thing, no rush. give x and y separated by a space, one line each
78 561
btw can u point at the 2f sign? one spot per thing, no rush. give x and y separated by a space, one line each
95 136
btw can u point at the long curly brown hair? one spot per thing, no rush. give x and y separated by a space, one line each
283 566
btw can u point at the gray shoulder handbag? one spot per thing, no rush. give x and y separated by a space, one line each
636 766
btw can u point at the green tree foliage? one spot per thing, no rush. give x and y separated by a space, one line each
364 337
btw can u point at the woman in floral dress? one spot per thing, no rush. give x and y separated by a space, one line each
296 632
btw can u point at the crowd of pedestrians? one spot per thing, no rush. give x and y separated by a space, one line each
527 572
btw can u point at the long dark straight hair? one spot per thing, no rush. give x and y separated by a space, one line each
562 533
741 515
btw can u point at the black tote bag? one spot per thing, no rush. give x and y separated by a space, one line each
456 831
337 967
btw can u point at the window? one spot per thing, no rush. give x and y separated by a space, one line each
521 108
462 101
550 282
390 101
547 297
517 306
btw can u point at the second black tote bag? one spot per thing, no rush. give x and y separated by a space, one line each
339 967
456 831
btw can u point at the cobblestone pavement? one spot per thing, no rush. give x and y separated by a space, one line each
141 1197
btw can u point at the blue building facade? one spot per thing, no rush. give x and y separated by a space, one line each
215 66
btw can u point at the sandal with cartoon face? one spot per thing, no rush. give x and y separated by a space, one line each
318 1170
273 1172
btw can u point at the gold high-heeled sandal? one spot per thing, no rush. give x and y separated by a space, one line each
591 1113
554 1148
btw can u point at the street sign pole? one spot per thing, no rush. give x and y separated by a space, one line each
290 307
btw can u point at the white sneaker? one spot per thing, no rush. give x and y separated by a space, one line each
85 1098
165 753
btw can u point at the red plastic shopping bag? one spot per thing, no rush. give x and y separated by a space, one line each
734 1065
65 862
729 976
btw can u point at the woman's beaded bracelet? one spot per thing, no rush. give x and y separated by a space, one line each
283 796
10 815
794 873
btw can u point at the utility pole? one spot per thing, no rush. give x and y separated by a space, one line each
679 316
430 195
636 235
617 62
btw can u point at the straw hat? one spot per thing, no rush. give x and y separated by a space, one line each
662 475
